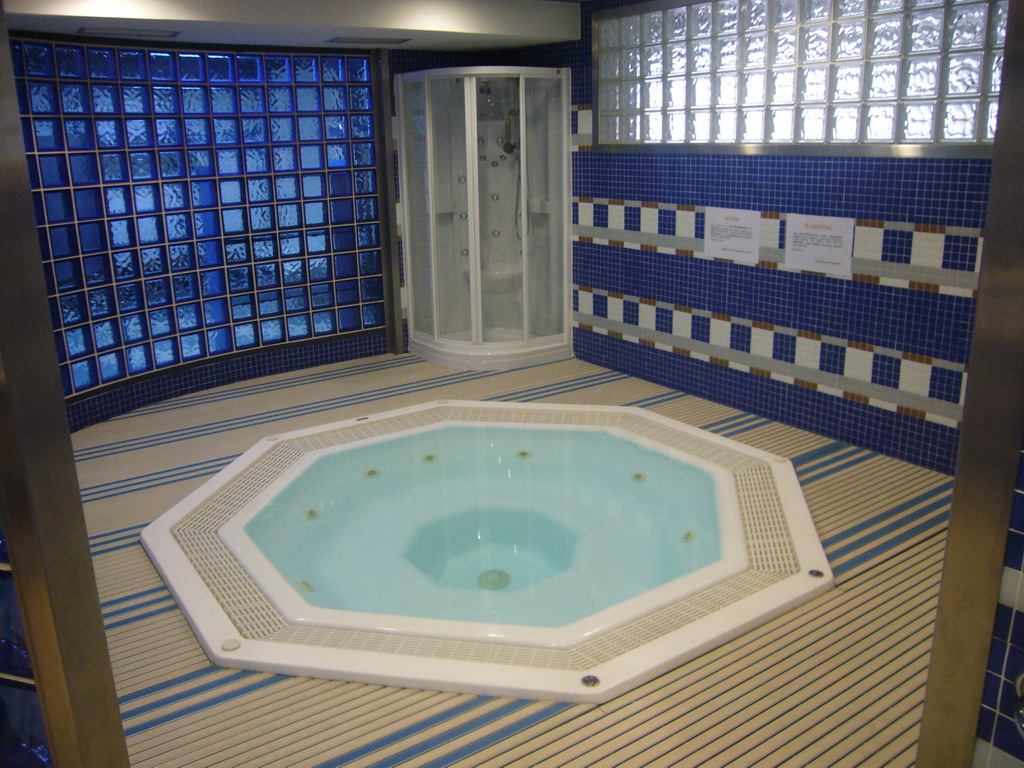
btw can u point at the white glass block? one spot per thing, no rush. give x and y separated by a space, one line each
815 43
923 3
675 24
727 52
811 125
652 29
886 6
784 47
886 36
782 86
784 12
676 128
698 127
754 14
700 56
630 63
677 58
608 64
881 123
813 84
700 91
727 17
629 96
846 82
918 122
963 78
608 125
998 21
677 93
883 80
817 10
725 126
753 87
752 128
849 39
780 124
926 31
653 94
629 128
608 33
991 119
848 8
922 78
701 18
727 93
995 71
967 26
755 48
609 96
629 31
653 61
653 128
845 123
960 121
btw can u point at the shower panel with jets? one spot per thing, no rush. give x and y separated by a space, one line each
484 193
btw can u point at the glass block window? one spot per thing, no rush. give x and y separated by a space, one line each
199 203
800 72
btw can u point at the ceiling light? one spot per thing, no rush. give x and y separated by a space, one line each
369 40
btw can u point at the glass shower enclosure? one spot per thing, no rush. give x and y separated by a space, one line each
485 209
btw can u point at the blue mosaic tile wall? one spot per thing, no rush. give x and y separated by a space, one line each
195 204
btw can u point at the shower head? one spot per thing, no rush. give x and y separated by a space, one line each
509 144
484 89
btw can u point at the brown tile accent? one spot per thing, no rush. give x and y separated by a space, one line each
917 358
585 148
855 397
581 107
651 302
585 327
874 223
615 295
648 204
768 264
902 409
682 207
646 343
586 239
761 372
771 215
617 243
763 326
680 308
867 278
928 287
648 248
586 199
860 345
586 289
720 361
719 316
680 351
616 202
805 384
937 228
681 252
615 334
809 335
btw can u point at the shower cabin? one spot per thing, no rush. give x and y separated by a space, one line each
485 212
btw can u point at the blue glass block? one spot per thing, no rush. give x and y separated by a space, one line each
58 206
186 288
264 247
239 279
359 99
83 374
129 299
106 99
165 100
349 319
200 162
373 315
42 98
345 265
126 265
154 260
340 183
79 134
178 226
74 99
260 218
194 100
266 275
223 100
206 224
63 240
251 100
287 187
269 303
111 366
188 316
282 129
323 323
229 162
72 308
96 270
310 128
366 182
165 352
168 132
372 288
362 126
215 312
254 130
337 126
48 135
212 283
101 63
368 235
109 134
242 307
370 263
250 68
158 292
271 331
358 69
233 220
333 68
321 296
363 154
313 185
174 196
204 194
290 244
138 359
314 213
220 68
21 91
182 257
83 170
316 241
366 209
92 237
172 164
343 238
210 253
142 165
319 269
311 157
296 300
107 334
139 132
67 274
337 156
287 215
279 69
150 230
342 211
132 65
146 198
101 303
190 67
38 209
78 342
256 160
192 347
306 69
230 192
307 98
298 327
335 98
279 99
161 65
245 335
284 158
38 59
218 341
225 130
135 99
292 272
197 131
70 61
346 292
19 69
122 234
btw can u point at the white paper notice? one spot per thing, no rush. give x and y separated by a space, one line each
819 243
732 234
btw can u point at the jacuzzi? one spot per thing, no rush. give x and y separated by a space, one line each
542 551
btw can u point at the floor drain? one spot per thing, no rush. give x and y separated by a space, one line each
493 579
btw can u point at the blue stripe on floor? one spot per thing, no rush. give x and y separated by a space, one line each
167 684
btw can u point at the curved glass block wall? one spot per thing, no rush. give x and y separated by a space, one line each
193 204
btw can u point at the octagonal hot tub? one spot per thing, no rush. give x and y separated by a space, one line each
563 552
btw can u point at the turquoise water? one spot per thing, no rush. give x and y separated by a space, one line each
536 527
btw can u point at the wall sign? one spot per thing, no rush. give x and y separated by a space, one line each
730 233
819 243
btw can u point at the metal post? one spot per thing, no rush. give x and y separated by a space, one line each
388 222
